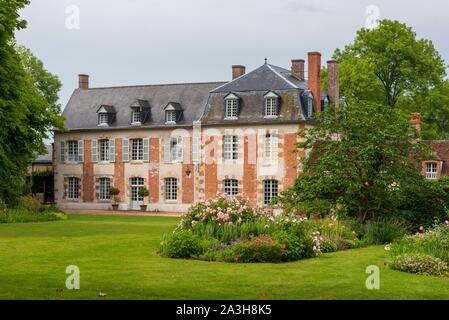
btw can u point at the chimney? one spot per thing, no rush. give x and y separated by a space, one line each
238 71
83 81
415 119
314 78
298 68
333 74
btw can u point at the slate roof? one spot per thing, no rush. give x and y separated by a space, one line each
45 158
81 110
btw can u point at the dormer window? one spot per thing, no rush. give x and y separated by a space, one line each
271 105
103 119
231 107
310 104
136 116
170 116
173 113
106 115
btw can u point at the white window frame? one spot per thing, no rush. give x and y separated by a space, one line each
431 170
271 147
103 119
73 188
175 150
171 189
232 106
270 190
136 116
310 104
136 146
72 151
104 150
105 185
170 116
271 107
231 187
230 147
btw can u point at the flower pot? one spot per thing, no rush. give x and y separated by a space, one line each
143 207
115 207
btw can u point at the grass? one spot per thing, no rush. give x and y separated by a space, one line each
117 256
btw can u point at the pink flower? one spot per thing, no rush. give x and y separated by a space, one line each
446 223
229 209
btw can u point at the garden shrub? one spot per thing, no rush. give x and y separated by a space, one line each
182 244
259 249
294 245
29 203
381 231
328 245
420 264
21 215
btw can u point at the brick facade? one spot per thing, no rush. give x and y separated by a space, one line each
88 173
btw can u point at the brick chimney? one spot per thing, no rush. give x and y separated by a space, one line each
415 119
333 74
83 81
314 78
238 71
298 68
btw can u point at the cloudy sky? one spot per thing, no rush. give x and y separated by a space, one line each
128 42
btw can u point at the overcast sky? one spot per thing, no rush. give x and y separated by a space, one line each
128 42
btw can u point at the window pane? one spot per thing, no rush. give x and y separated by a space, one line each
230 147
231 187
270 190
136 149
171 189
72 150
73 188
104 188
170 116
231 108
431 170
136 115
104 149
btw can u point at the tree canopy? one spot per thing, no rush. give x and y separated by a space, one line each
390 65
28 107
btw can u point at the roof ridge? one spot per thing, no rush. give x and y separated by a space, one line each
281 76
156 85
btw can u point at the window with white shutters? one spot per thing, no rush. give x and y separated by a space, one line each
271 147
103 145
195 149
136 149
173 149
72 151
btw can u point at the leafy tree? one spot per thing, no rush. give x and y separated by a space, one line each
362 157
25 113
388 62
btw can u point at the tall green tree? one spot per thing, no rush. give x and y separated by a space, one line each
26 115
362 157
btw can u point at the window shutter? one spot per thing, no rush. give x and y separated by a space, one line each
62 151
274 147
94 151
80 151
167 143
125 150
195 149
112 150
278 106
180 146
146 150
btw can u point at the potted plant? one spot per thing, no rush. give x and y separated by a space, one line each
143 192
114 192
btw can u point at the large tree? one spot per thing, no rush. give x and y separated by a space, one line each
362 157
390 65
26 114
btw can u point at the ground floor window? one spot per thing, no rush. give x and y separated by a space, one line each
270 188
431 170
105 185
231 187
171 189
136 184
73 188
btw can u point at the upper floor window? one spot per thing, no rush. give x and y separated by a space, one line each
103 145
173 149
231 106
271 104
230 147
73 188
103 119
271 147
136 116
136 149
170 116
431 170
72 151
105 185
310 104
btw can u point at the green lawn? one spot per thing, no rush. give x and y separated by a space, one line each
117 256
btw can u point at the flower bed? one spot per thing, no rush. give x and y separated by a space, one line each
230 230
426 252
